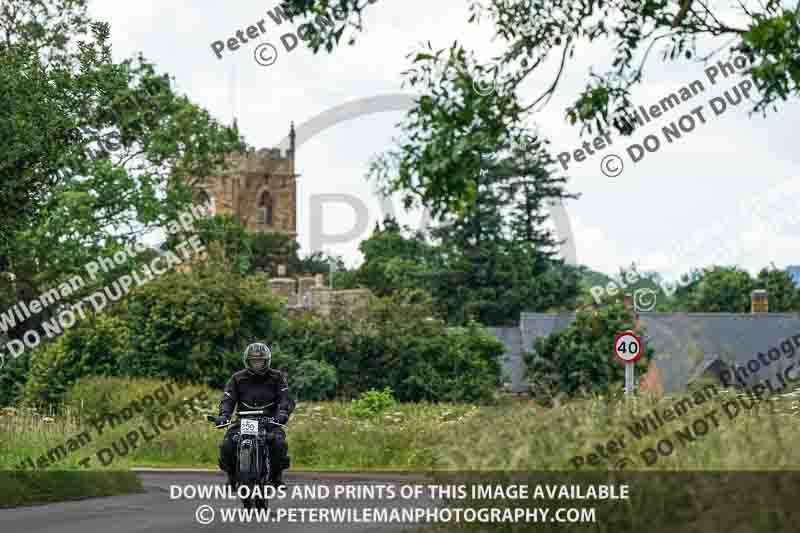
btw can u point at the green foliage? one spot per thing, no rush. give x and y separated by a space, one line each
392 260
783 295
491 282
714 289
453 123
372 403
493 285
98 346
272 249
579 360
195 325
12 379
722 290
397 344
91 397
95 151
314 380
236 243
728 290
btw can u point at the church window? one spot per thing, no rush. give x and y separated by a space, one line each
264 208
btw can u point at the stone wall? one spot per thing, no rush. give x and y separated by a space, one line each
308 293
324 300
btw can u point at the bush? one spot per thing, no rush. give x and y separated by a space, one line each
579 360
314 380
196 325
94 397
183 326
97 346
372 403
12 378
396 345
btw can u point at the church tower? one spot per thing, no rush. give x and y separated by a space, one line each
259 190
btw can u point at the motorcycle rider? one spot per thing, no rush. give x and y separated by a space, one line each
257 386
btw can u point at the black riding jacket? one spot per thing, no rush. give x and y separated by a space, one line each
249 390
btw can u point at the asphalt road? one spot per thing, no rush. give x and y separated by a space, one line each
154 511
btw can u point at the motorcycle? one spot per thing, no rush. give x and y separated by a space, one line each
252 454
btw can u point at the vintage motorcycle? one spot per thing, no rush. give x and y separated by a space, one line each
252 453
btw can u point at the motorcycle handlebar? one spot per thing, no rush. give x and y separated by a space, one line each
218 419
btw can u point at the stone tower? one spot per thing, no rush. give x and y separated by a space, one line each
259 190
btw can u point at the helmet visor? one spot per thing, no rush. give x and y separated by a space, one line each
257 362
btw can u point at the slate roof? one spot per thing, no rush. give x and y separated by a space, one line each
685 344
513 365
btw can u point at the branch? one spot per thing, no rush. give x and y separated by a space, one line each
549 92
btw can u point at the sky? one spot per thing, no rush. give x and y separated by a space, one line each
725 192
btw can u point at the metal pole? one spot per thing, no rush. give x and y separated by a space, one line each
629 379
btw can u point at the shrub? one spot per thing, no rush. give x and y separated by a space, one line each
397 345
579 360
12 378
372 403
92 347
196 325
183 326
93 397
314 380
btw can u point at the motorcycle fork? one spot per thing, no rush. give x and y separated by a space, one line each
257 449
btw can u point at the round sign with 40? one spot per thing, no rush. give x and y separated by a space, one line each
627 347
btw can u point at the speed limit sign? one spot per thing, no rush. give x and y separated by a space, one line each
627 347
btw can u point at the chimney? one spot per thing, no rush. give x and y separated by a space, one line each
759 301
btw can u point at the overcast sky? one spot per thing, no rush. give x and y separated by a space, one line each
693 194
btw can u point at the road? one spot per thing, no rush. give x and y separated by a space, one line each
154 511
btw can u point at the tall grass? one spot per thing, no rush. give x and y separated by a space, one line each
513 435
326 435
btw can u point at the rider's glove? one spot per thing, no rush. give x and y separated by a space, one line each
282 418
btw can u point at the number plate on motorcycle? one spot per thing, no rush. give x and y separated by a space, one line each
249 426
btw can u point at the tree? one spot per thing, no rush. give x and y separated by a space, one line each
450 122
271 250
499 258
722 290
395 259
222 234
94 154
36 133
783 294
578 360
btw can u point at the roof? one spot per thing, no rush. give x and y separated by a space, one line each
513 365
686 344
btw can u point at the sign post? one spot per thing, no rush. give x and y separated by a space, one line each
628 379
628 349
